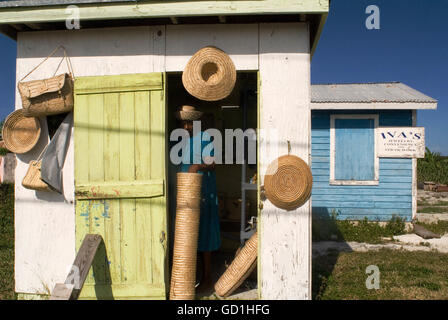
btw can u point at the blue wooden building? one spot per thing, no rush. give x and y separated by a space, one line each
350 180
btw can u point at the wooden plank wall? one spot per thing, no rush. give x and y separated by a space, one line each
285 236
393 194
45 222
46 244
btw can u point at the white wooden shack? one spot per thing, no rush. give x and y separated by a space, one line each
271 39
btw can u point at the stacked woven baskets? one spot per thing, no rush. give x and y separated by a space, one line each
183 276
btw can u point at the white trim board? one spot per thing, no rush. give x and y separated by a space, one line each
414 173
332 181
373 105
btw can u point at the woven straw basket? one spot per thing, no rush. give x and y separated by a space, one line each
19 133
288 182
32 178
183 275
48 96
240 268
210 74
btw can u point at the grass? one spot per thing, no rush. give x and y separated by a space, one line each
441 227
363 231
403 275
7 242
437 204
433 210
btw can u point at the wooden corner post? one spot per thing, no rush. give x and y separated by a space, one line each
285 115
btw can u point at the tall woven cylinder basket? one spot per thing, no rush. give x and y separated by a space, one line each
183 274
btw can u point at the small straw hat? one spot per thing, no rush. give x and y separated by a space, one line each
188 113
20 133
210 74
289 182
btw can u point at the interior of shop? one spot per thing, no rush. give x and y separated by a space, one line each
237 111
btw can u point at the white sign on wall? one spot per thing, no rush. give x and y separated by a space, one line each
401 142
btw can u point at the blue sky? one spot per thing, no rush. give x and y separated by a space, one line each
411 46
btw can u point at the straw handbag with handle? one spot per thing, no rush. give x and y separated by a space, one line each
32 179
48 96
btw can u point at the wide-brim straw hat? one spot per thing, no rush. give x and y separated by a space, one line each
188 113
20 133
288 182
210 74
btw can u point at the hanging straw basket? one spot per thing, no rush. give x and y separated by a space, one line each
210 74
48 96
19 133
240 268
288 182
183 276
32 179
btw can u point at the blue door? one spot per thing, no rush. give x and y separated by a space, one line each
354 149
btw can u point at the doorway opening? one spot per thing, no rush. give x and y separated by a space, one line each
236 178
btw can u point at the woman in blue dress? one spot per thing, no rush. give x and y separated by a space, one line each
199 150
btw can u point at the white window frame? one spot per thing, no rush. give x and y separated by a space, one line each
333 181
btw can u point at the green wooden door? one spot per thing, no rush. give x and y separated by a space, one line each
120 183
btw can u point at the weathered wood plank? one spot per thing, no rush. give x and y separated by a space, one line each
75 280
158 221
157 9
143 212
129 258
62 291
119 190
285 237
123 83
239 41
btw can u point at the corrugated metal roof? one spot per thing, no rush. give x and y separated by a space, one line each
367 92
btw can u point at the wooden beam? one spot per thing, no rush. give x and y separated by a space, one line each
315 40
74 282
33 26
9 31
119 190
159 9
19 27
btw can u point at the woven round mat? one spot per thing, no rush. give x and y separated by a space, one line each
210 74
183 274
20 133
240 268
288 182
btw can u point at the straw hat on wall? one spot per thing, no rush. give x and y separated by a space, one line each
210 74
188 113
288 182
20 133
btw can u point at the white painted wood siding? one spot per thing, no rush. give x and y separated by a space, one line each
45 222
285 237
